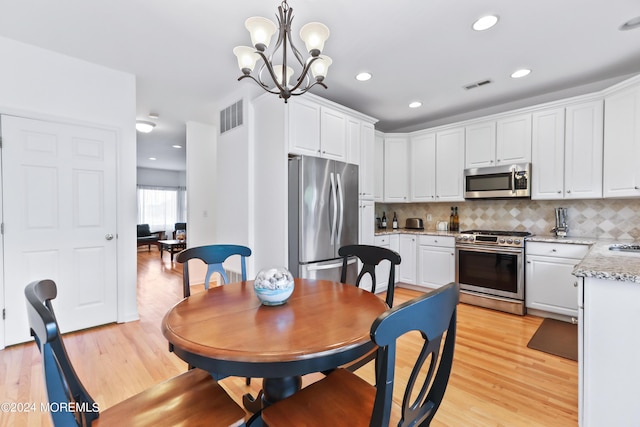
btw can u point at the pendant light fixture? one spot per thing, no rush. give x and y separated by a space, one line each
312 71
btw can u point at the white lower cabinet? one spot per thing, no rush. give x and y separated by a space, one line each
382 270
436 261
550 286
407 268
367 222
608 353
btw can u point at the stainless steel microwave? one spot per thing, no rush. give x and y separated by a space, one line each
498 182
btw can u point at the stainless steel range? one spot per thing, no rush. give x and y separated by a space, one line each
490 269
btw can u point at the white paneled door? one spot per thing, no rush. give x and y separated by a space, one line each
59 199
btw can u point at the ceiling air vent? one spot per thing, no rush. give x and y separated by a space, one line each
231 117
477 84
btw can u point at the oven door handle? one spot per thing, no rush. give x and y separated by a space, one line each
491 249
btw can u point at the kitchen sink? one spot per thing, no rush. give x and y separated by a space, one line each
625 247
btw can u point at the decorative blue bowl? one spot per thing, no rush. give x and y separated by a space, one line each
273 286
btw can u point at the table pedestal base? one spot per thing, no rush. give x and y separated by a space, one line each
273 390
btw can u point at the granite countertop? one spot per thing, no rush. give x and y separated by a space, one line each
383 231
600 262
603 263
569 239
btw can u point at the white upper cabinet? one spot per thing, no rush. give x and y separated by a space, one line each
480 148
378 167
304 127
583 150
450 165
547 155
622 143
499 142
333 134
396 174
318 130
436 165
567 152
513 140
354 141
423 168
367 161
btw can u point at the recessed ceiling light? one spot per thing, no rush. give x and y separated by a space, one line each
144 127
363 77
152 158
630 24
485 23
177 146
521 73
415 104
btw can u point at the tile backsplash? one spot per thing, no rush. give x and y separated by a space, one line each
602 218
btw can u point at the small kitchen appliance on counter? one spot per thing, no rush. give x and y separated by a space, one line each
414 224
561 227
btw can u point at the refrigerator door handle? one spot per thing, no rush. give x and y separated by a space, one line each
329 266
335 208
341 199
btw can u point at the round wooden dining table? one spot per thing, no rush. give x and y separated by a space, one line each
227 331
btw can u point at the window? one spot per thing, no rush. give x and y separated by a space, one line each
161 207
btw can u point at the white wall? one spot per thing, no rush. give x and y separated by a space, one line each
234 192
201 184
41 84
160 177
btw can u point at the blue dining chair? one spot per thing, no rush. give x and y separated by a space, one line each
213 256
191 398
343 398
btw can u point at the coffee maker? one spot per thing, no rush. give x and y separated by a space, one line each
561 227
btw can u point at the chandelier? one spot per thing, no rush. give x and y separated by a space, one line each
275 78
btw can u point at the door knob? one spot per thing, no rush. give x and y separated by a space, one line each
108 236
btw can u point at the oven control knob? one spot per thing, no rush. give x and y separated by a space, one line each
517 241
471 238
509 241
501 240
465 238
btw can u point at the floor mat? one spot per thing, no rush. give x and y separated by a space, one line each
556 337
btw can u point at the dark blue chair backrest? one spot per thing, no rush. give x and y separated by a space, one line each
371 256
213 256
64 388
434 316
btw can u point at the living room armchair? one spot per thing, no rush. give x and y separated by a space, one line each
147 238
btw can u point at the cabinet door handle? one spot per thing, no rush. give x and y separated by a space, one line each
575 284
635 188
553 250
528 262
568 191
559 192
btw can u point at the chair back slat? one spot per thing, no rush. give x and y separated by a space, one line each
62 383
434 316
214 256
371 256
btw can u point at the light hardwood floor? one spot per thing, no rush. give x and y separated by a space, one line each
496 379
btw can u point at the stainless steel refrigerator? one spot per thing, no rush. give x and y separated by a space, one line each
323 217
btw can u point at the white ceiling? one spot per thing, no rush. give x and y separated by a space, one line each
181 53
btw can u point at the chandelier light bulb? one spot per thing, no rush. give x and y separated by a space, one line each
320 67
247 58
261 30
314 34
277 70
